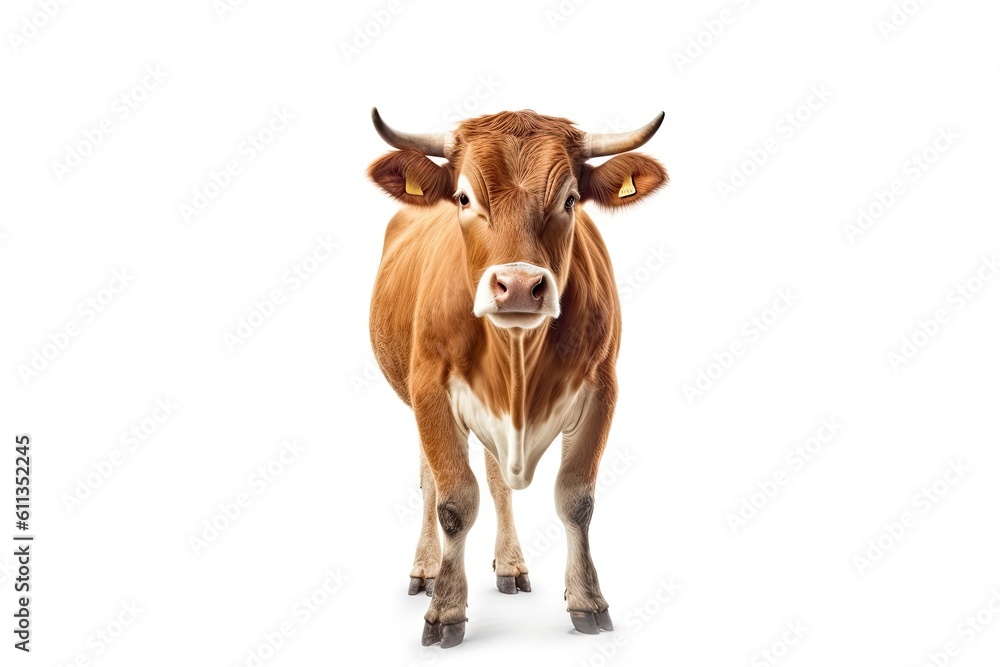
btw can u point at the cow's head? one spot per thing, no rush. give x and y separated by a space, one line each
515 180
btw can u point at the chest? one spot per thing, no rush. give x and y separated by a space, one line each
497 430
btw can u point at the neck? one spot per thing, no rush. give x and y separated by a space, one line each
504 374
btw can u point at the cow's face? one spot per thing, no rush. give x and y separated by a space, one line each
516 180
515 200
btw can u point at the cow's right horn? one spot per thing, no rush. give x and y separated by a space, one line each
597 145
428 144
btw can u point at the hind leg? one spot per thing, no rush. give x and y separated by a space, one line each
508 563
427 560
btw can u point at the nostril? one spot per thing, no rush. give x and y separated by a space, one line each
536 291
501 288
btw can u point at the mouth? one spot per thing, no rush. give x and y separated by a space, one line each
516 320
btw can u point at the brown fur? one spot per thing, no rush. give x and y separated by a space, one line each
415 315
603 182
512 159
390 172
520 165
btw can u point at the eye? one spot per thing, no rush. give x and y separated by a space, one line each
570 202
463 199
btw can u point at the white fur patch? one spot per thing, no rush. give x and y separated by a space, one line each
517 451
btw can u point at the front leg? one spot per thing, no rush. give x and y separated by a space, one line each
446 448
583 446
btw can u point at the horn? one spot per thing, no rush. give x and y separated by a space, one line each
597 145
428 144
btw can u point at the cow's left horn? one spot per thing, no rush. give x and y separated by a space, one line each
428 144
596 145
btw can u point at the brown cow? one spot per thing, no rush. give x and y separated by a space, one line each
495 311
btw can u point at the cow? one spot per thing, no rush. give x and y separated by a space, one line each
495 312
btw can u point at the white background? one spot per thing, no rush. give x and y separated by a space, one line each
306 373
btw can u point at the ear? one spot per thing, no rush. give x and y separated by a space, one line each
412 178
623 180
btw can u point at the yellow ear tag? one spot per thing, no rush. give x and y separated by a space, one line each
628 188
413 188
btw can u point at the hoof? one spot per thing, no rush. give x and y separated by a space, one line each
453 635
449 635
432 634
506 585
591 623
418 584
511 585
